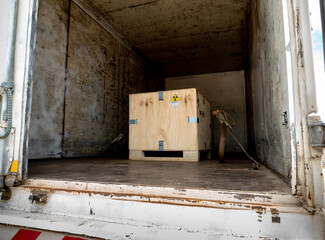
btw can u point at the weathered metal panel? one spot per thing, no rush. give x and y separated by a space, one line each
8 20
22 77
93 58
188 37
49 76
83 76
268 83
102 73
115 211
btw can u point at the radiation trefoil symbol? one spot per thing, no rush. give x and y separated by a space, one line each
175 101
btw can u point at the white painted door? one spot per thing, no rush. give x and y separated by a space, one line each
304 49
17 40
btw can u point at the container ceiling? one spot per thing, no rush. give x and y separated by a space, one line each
186 36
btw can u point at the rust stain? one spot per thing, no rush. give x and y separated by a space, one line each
163 199
276 219
250 196
274 211
91 211
259 209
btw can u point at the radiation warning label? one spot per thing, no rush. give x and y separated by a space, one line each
175 101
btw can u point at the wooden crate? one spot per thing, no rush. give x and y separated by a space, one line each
170 125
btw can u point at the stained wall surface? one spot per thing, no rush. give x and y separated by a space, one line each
82 78
49 79
187 36
267 86
225 91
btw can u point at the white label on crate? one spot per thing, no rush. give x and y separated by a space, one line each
175 101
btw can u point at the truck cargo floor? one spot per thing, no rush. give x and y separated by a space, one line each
235 174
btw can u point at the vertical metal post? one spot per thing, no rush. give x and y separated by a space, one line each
222 143
291 111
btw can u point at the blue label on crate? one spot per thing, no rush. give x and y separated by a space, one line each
161 146
133 121
193 120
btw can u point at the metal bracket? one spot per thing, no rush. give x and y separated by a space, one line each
317 134
193 120
7 146
284 118
161 95
161 146
38 196
10 180
8 88
5 193
133 121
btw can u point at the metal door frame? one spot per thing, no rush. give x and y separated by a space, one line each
20 64
307 180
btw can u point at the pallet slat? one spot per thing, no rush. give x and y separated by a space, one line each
190 156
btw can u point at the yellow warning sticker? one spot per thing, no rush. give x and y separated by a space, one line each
175 101
14 166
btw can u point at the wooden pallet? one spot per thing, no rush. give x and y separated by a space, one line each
188 156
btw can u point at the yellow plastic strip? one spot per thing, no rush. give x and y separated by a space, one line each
14 166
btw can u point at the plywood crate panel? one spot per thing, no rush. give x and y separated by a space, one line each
176 120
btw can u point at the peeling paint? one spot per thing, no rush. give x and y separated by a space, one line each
276 219
274 211
250 196
169 213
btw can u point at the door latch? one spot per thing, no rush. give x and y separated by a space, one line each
317 134
284 118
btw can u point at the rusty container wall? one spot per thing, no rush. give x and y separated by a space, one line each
267 90
82 78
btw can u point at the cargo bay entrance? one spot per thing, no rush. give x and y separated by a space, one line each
81 104
90 56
